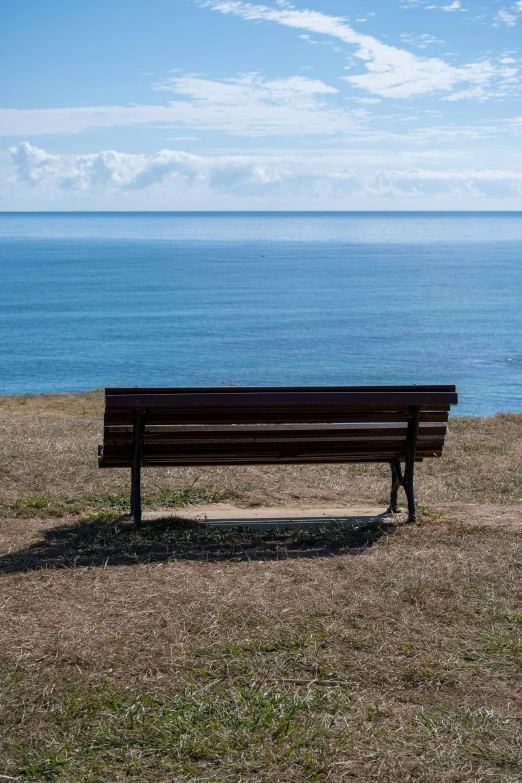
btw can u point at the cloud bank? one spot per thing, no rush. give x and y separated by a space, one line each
117 170
111 171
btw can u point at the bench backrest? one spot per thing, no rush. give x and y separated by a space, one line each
311 424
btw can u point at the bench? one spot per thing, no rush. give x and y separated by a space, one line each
275 426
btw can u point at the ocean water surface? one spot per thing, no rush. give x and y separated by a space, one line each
172 299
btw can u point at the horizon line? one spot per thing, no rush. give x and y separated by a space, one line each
263 212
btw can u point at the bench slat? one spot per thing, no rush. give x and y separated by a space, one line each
279 416
181 449
325 460
299 400
111 392
275 430
261 443
266 453
152 420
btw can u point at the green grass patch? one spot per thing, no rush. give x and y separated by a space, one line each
190 497
40 506
75 731
107 506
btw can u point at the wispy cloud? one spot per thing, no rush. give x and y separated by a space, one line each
249 88
508 16
425 183
246 105
504 17
420 40
390 72
455 6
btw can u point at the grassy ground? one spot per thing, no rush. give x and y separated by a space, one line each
175 654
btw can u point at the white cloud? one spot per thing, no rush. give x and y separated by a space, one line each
116 170
451 7
421 41
37 122
474 93
455 6
506 18
247 88
390 72
425 184
247 105
329 175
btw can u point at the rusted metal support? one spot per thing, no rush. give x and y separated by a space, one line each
137 449
410 453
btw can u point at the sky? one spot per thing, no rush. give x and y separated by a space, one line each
277 105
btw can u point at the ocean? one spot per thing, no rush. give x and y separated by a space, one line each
89 300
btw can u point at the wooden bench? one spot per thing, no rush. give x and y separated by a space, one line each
275 426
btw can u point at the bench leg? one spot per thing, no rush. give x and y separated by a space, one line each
135 499
136 468
136 495
410 494
411 451
132 492
396 483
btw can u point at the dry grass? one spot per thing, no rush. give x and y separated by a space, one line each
392 654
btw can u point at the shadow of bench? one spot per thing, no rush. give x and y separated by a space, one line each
98 543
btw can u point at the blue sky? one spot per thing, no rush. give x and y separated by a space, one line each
224 104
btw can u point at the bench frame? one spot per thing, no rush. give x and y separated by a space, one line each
399 478
405 480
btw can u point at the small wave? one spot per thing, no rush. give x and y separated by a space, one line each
512 360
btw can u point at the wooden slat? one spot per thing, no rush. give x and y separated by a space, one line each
348 459
111 392
261 431
268 455
281 416
156 418
180 442
237 435
299 400
259 452
222 444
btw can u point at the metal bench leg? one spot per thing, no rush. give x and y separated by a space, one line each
139 418
396 483
410 494
411 451
132 492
